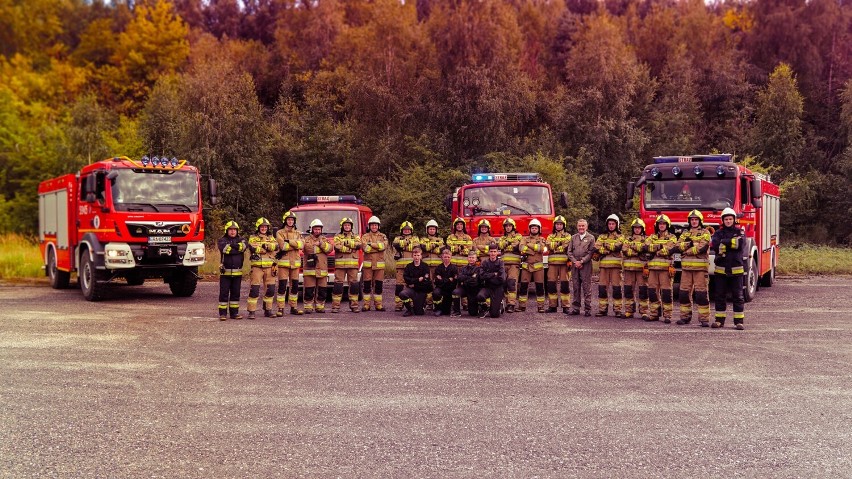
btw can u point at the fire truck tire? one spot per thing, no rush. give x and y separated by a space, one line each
58 279
750 286
183 283
768 279
88 278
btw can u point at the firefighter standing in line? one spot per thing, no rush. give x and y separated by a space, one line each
580 255
262 246
557 266
404 245
417 284
346 246
635 265
661 244
317 248
727 244
373 270
460 242
483 239
492 272
432 245
608 247
445 278
467 287
533 247
510 247
694 243
290 246
232 247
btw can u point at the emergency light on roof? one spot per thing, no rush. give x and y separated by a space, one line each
330 199
726 157
491 177
157 162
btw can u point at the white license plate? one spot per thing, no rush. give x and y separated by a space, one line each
159 239
676 257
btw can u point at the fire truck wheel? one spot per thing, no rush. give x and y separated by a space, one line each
92 291
58 279
183 283
768 279
750 286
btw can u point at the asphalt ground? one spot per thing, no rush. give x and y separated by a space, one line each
148 385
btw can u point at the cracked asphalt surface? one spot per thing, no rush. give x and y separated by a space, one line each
148 385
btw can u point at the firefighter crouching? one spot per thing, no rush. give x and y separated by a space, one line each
445 278
262 247
727 244
694 244
290 246
417 284
608 247
510 248
403 246
467 286
634 267
432 245
557 266
232 247
346 246
533 248
661 244
373 270
459 242
492 272
317 248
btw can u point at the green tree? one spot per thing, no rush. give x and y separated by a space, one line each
777 135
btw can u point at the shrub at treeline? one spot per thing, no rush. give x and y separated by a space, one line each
400 101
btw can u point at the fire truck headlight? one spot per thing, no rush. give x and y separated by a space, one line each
118 256
194 254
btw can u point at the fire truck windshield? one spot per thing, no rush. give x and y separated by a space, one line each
505 200
702 194
138 191
330 220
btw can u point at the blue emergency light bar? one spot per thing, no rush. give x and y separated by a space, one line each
726 157
330 199
156 162
492 177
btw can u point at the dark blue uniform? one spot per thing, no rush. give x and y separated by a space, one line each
727 244
231 274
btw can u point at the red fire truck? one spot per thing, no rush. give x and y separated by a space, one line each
676 185
497 196
121 218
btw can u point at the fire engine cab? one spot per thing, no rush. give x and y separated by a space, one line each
497 196
676 185
122 218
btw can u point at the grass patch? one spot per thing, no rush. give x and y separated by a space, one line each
19 257
814 259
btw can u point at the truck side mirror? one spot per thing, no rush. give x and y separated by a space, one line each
631 190
89 188
756 188
563 199
213 189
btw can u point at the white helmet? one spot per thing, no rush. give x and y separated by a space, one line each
431 223
536 222
316 222
729 212
374 219
614 217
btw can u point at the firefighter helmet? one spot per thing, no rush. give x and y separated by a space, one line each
289 214
509 221
431 223
729 212
559 219
374 219
637 222
696 214
537 223
613 217
406 224
483 222
346 220
260 222
662 219
457 221
231 224
316 223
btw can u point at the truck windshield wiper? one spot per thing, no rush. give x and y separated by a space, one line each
176 205
517 208
143 204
